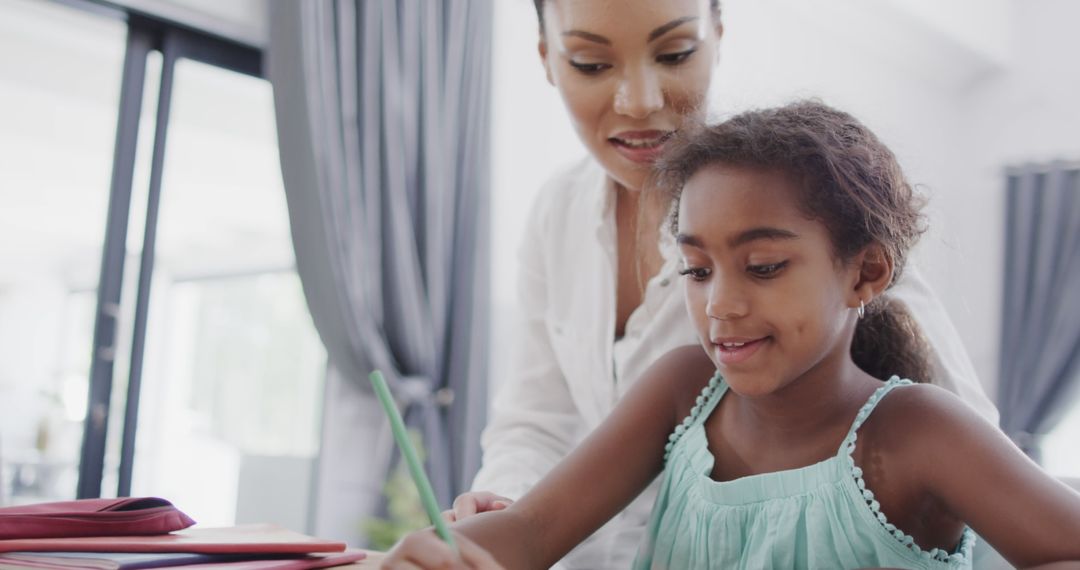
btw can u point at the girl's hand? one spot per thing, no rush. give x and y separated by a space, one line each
424 549
475 502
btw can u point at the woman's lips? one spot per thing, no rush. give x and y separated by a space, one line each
641 146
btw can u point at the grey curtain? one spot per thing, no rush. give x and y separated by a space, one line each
1040 339
383 122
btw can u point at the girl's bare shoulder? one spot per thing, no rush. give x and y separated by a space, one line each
680 374
921 425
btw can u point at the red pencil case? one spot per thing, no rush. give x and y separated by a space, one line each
92 517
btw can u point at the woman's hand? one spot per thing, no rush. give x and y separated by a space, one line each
475 502
424 549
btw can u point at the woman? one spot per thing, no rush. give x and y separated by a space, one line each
598 290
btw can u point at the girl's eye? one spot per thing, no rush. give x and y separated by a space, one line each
675 58
695 273
767 271
589 68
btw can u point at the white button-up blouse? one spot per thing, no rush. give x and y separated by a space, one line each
569 370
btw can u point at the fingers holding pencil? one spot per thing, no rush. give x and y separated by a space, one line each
424 550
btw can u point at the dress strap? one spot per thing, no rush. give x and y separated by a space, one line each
868 408
703 406
962 556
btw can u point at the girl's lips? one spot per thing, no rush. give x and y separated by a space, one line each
737 354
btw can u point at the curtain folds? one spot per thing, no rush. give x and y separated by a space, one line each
1040 338
383 127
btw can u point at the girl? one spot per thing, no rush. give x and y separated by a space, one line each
791 440
599 292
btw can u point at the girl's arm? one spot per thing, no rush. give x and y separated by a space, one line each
595 482
977 472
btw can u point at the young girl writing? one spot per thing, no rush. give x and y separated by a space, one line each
791 441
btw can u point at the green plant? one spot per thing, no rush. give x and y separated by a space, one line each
404 511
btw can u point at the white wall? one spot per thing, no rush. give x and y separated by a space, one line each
986 35
1026 113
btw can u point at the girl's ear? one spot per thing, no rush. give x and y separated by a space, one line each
541 47
875 272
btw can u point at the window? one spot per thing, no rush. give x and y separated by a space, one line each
152 323
60 75
232 374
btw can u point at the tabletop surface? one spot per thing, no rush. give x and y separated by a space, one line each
371 562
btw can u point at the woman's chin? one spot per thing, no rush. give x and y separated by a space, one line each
627 173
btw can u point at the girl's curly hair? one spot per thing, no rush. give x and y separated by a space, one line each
850 181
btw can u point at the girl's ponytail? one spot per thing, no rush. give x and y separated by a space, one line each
888 341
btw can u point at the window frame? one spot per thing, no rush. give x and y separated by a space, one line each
146 34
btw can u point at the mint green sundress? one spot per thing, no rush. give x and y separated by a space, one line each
820 516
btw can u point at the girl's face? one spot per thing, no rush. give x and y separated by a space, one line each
630 73
769 300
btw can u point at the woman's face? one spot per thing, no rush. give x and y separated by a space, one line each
630 73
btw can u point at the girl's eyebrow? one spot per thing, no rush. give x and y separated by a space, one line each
653 35
745 237
755 234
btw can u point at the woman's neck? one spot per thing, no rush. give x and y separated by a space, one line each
638 254
646 211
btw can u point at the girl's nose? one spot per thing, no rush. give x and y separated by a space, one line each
725 303
639 93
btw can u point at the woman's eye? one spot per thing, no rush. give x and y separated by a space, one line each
695 273
675 58
767 270
589 68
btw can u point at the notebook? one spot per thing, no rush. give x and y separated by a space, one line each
111 560
138 560
308 562
242 539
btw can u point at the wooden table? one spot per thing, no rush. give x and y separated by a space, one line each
370 563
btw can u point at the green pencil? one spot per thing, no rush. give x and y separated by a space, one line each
427 495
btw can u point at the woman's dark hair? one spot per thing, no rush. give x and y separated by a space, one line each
849 181
714 4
